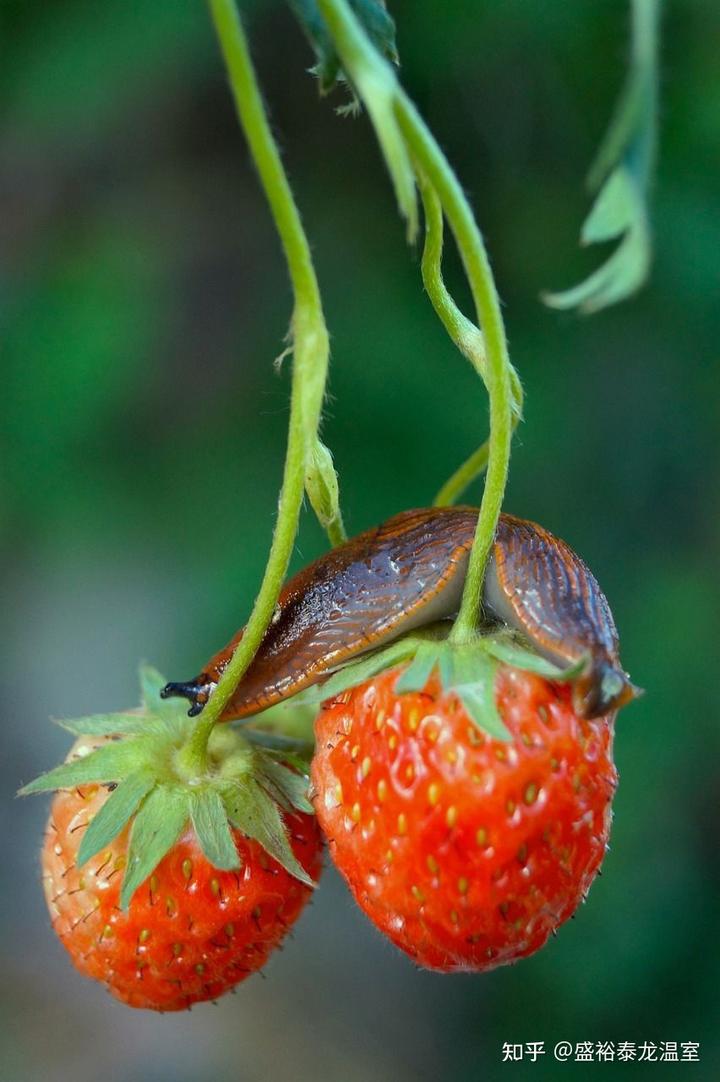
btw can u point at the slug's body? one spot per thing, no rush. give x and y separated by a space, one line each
409 573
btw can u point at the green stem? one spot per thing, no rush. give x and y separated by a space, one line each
463 477
311 352
497 361
463 332
361 62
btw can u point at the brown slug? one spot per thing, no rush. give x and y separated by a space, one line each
408 573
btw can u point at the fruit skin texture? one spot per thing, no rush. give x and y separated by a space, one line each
191 931
467 852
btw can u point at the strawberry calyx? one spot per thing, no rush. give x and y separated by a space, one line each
468 669
247 781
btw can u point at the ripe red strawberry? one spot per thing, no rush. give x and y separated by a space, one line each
191 931
465 850
168 883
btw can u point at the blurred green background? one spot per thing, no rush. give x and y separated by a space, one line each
143 299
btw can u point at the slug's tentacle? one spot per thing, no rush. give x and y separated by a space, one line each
409 573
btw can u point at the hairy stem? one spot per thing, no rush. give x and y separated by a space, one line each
463 332
497 362
377 85
310 360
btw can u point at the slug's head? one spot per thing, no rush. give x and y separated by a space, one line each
197 691
603 688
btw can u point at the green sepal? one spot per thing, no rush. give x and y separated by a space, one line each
505 649
375 19
276 742
256 814
165 711
151 684
158 824
357 672
289 723
152 786
210 822
290 789
301 762
474 684
111 762
418 672
109 725
114 814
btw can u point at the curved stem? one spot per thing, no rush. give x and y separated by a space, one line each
463 477
497 367
368 70
463 332
310 361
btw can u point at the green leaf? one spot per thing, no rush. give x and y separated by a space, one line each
252 811
372 14
360 671
110 762
614 210
622 173
373 80
291 788
107 724
156 827
418 672
210 822
626 269
114 814
475 687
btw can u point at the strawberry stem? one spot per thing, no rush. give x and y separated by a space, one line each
310 342
466 336
411 152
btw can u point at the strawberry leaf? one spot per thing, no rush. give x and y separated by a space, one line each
252 811
111 762
156 827
621 175
210 822
114 814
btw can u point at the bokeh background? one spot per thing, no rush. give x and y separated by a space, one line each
143 299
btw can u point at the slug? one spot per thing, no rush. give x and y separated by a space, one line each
409 573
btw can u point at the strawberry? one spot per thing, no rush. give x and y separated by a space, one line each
171 889
465 848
